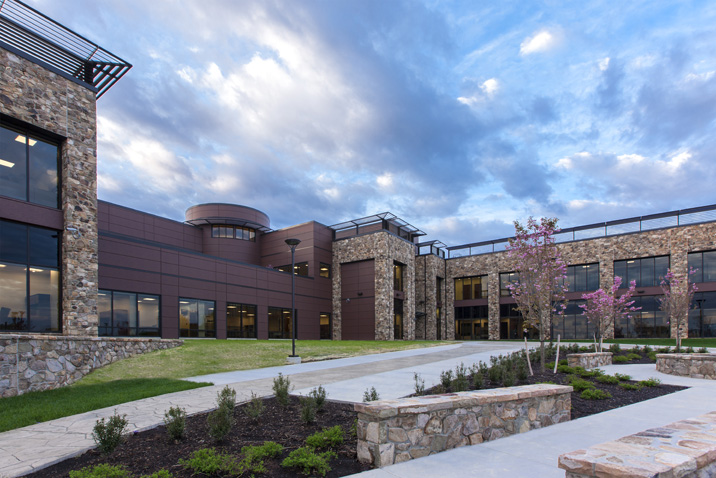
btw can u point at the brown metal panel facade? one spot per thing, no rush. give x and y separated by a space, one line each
358 300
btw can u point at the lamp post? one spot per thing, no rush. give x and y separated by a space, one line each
292 243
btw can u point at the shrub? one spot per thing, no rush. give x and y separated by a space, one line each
108 435
615 348
703 350
281 388
478 381
652 356
175 421
522 372
689 350
370 395
581 385
622 377
565 369
308 461
620 359
630 386
163 473
326 438
419 384
549 365
460 384
482 366
254 456
220 422
226 398
208 461
494 373
607 379
318 395
308 409
255 407
446 379
595 394
647 349
102 470
633 356
563 362
650 382
508 378
664 350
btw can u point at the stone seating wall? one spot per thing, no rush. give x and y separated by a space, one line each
589 360
393 431
43 362
686 448
687 365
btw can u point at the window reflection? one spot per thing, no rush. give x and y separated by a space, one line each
128 314
240 320
197 318
647 271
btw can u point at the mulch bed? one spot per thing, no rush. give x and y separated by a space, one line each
146 452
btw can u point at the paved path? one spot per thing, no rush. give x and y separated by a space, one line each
34 447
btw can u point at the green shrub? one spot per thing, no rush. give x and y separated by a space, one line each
220 422
446 379
370 395
633 356
460 384
622 377
703 350
108 435
255 407
326 438
478 381
549 382
254 456
652 356
650 382
630 386
226 398
664 350
595 394
281 389
163 473
615 349
607 379
495 373
102 470
549 365
580 384
175 421
508 378
620 359
522 372
563 362
689 350
208 461
318 395
308 461
308 409
647 349
565 369
419 384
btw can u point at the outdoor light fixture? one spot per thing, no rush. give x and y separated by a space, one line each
75 232
292 243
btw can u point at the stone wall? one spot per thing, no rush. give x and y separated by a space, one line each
393 431
385 248
686 448
675 241
43 362
590 360
428 268
41 98
687 365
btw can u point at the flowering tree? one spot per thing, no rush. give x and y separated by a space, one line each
604 308
676 302
540 287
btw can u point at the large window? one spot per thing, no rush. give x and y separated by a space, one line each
572 324
398 272
397 319
505 279
702 318
324 270
582 278
471 323
240 321
128 314
299 268
705 265
325 321
29 278
28 168
649 322
467 288
197 318
647 271
234 232
280 323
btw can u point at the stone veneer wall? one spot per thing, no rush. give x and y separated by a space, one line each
589 360
37 96
675 241
428 268
687 365
42 362
384 248
393 431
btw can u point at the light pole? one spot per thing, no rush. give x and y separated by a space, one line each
292 243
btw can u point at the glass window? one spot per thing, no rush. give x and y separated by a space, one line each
647 271
29 278
645 323
240 321
128 314
28 168
325 322
197 318
705 265
397 319
324 270
279 323
468 288
702 318
398 271
300 268
506 278
583 277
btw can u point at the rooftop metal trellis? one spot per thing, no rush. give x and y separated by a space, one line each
29 31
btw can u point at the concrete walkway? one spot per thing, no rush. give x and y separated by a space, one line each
535 453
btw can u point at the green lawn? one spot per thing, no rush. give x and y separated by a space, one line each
158 372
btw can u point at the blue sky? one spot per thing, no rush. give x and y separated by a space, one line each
457 116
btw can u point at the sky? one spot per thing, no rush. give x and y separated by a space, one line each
457 116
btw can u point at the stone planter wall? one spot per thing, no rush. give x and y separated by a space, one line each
590 360
687 365
686 448
393 431
42 362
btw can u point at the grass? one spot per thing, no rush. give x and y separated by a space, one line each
157 373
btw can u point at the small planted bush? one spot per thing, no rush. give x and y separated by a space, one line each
650 382
565 369
108 434
318 395
607 379
281 389
508 378
595 394
622 377
254 456
308 462
460 384
703 350
446 379
326 438
633 356
102 470
308 409
370 395
226 398
580 384
220 422
419 384
615 349
630 386
175 421
255 407
478 381
620 359
208 461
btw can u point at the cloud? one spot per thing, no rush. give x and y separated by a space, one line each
541 41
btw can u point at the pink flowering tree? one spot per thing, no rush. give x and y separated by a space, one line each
604 308
676 302
540 288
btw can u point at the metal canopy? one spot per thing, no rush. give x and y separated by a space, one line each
39 36
388 217
226 221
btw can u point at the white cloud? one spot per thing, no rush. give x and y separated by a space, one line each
627 160
604 64
539 42
490 86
